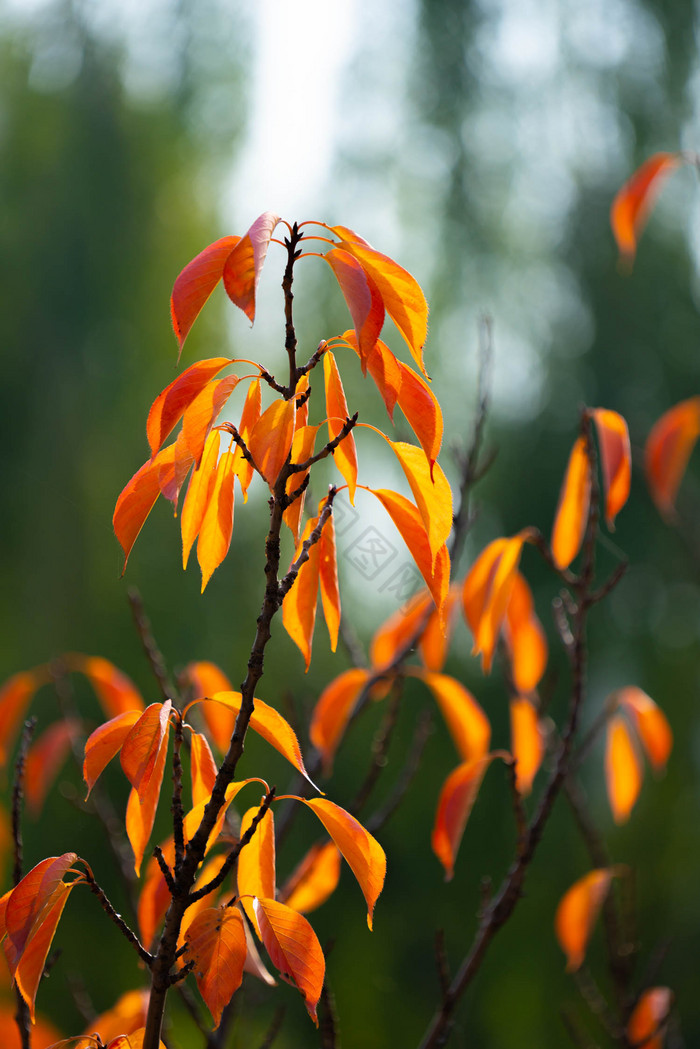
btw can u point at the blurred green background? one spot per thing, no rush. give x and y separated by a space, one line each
479 143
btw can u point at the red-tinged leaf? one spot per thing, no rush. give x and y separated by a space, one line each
203 768
195 284
198 495
384 368
198 420
270 440
142 746
633 203
216 945
524 637
487 590
15 696
362 298
363 852
328 579
217 523
243 266
668 449
401 293
527 742
299 605
431 491
646 1027
572 511
169 406
302 449
30 967
420 406
623 769
615 460
468 725
256 875
26 904
399 631
651 724
104 743
138 497
205 679
267 722
141 809
457 797
345 455
313 880
44 761
577 913
331 713
115 691
249 417
434 642
126 1016
293 948
173 473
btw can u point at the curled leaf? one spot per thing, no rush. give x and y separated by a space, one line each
572 511
333 710
650 722
243 265
293 948
487 591
615 458
457 797
668 449
577 913
314 880
646 1027
195 284
630 208
106 741
623 769
362 297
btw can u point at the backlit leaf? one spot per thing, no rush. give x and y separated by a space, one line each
384 368
27 903
572 511
45 759
169 406
577 913
345 455
419 404
203 768
217 523
195 284
646 1027
457 797
328 579
400 629
362 297
126 1016
615 460
651 724
331 713
270 440
15 696
487 591
468 725
115 691
138 497
198 420
244 264
249 417
299 605
314 880
198 495
106 741
668 449
435 642
293 948
216 944
256 874
431 491
630 208
141 809
140 750
302 449
527 743
525 639
30 967
623 769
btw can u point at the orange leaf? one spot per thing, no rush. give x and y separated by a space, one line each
154 898
328 578
615 458
270 440
169 406
142 746
217 523
195 284
131 1041
399 630
577 912
345 455
243 266
623 770
332 711
524 637
646 1027
44 1034
198 495
302 449
487 591
650 721
468 725
249 417
363 852
141 808
27 903
457 797
299 605
198 420
44 760
384 368
203 768
115 691
401 293
420 406
15 696
216 944
138 497
126 1016
527 744
293 948
434 642
194 817
431 490
205 679
256 863
630 208
314 880
362 297
668 449
106 741
30 967
572 511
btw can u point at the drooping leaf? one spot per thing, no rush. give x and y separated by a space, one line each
487 591
457 797
572 511
302 449
525 639
205 679
527 743
328 579
431 491
27 904
313 880
154 898
217 523
400 629
203 768
651 724
384 368
138 497
169 406
293 948
126 1016
256 874
668 449
419 404
216 945
332 711
45 759
115 691
299 605
140 750
249 417
30 967
646 1027
199 419
15 696
345 455
467 723
141 809
106 741
577 913
435 642
623 769
615 459
198 495
633 203
195 284
270 440
362 297
244 264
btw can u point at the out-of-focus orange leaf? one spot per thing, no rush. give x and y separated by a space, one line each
457 797
572 511
650 721
487 591
44 1034
125 1017
198 420
630 208
399 629
249 417
293 948
328 579
205 679
44 760
195 284
169 406
623 769
270 440
299 605
345 455
138 497
577 913
131 1041
216 945
104 743
668 449
468 725
362 297
313 880
646 1027
115 691
203 768
154 898
401 293
217 523
524 637
256 873
434 642
141 809
198 495
303 444
15 696
527 744
615 460
363 852
332 711
244 264
139 752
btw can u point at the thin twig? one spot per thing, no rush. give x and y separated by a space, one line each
380 747
124 929
274 1029
148 641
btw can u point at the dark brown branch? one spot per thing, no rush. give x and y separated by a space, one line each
313 360
441 962
328 1027
229 428
164 868
286 584
328 449
274 1029
290 338
176 806
272 382
420 737
109 910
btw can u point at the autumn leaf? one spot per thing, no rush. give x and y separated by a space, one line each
270 440
243 265
169 406
249 417
302 449
140 750
633 203
431 491
456 801
345 455
527 742
293 948
115 691
299 605
468 725
203 768
138 498
313 880
195 284
104 743
383 367
525 639
127 1015
216 528
205 679
141 809
45 759
623 769
400 630
577 913
572 512
199 495
615 459
216 946
362 297
256 863
646 1027
650 722
434 642
328 579
423 413
332 711
15 696
199 419
667 451
487 591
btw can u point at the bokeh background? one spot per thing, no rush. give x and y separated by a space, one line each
479 142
